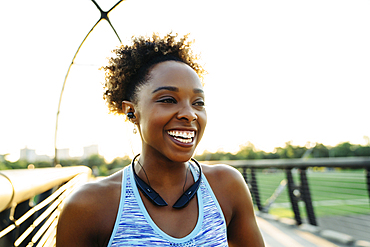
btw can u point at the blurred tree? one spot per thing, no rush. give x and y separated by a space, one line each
343 150
119 163
247 152
361 150
3 166
94 160
273 155
97 164
290 151
20 164
206 155
42 164
71 162
320 151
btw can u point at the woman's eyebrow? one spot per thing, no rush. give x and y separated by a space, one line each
198 90
174 89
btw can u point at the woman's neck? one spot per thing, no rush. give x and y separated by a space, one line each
160 171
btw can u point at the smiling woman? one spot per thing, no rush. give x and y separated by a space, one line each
171 107
164 197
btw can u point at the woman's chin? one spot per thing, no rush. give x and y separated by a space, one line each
178 158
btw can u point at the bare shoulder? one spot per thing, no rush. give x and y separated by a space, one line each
217 168
228 186
89 213
223 174
93 195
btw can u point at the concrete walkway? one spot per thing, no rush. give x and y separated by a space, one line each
284 233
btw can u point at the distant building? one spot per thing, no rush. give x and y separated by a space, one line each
62 154
28 154
2 157
90 150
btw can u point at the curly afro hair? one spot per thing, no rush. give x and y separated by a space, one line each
130 69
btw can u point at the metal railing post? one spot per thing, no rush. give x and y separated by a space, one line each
293 199
306 196
5 221
245 175
254 190
20 210
42 197
367 171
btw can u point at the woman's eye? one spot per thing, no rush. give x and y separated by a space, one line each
167 100
199 103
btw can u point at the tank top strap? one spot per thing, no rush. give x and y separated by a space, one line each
121 204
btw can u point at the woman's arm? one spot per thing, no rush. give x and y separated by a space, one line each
242 229
235 200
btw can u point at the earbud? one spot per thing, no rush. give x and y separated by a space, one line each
130 115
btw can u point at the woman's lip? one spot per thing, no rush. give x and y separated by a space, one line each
180 143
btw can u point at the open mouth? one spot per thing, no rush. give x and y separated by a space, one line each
183 136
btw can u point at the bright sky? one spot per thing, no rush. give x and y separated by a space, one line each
279 71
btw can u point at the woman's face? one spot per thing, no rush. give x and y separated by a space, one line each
170 111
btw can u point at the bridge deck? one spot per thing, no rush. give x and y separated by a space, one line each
278 234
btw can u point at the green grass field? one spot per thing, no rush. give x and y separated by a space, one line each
333 192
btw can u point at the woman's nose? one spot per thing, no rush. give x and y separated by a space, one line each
187 112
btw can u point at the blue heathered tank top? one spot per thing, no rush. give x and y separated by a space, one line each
134 227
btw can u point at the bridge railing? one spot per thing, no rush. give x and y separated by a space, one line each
31 200
331 193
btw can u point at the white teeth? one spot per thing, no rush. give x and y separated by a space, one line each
182 134
182 140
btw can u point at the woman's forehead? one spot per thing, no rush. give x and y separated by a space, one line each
173 75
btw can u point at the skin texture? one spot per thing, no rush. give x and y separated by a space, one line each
172 99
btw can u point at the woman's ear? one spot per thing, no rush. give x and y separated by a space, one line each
129 109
